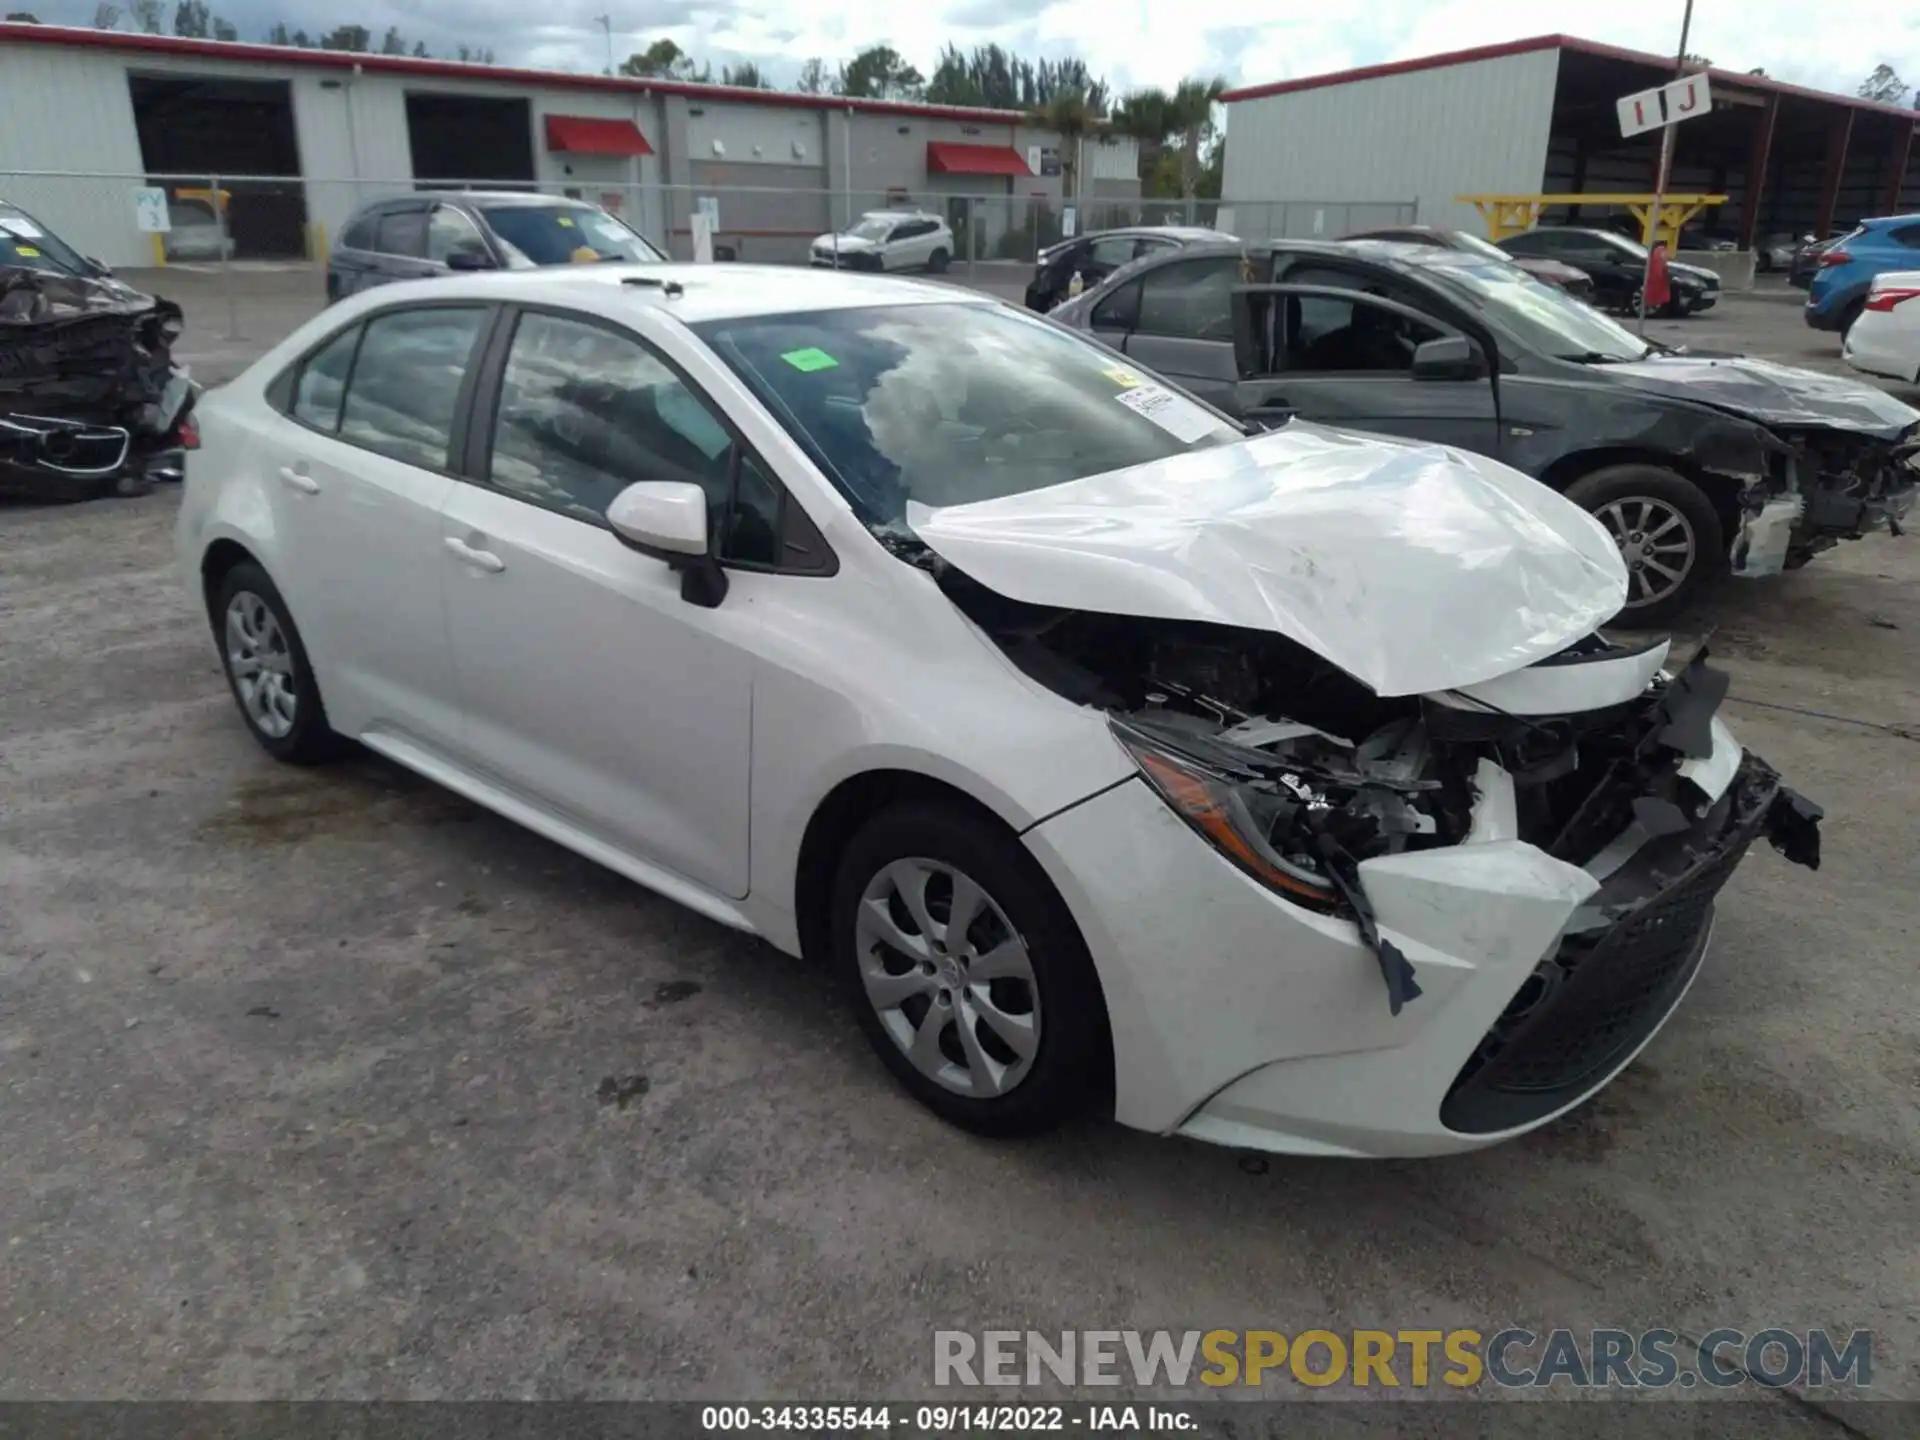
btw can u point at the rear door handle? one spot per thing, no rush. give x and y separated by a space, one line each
484 560
296 479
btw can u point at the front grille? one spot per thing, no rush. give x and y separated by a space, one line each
1599 995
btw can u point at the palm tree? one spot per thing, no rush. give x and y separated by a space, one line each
1072 115
1189 115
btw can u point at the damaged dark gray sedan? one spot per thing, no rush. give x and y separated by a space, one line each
91 402
1697 464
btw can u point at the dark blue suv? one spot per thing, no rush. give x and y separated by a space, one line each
415 236
1845 269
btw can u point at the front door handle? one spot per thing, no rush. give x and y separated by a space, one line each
295 479
484 560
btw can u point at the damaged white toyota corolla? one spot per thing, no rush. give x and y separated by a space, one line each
1274 791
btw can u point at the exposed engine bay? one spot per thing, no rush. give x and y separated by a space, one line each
1298 773
90 399
1853 483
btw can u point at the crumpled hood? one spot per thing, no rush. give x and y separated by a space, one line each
848 244
1413 568
40 297
1772 394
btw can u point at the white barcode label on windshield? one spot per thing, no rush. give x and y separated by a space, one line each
1175 414
24 229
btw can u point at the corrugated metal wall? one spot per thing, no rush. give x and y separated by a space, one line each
70 110
1425 135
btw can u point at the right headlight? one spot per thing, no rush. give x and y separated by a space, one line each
1236 816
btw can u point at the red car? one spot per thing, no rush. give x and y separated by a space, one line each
1574 281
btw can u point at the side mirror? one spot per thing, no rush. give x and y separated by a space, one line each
100 267
469 257
1451 357
667 519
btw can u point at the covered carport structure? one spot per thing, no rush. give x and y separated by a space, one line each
1787 158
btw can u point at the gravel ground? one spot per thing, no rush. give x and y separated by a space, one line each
327 1083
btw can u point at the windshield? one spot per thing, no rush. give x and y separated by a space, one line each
1486 249
1549 320
947 404
26 244
873 227
563 235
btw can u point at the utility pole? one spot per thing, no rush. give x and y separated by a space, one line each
1666 166
606 24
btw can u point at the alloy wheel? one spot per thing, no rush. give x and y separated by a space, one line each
261 665
1657 543
949 976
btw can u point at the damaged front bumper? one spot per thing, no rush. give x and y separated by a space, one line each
1243 1019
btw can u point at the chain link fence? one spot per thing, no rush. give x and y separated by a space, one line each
238 226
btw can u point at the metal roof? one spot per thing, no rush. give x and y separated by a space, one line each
290 56
1574 44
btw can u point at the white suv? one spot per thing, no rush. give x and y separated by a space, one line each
888 240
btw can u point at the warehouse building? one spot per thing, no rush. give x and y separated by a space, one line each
1538 117
299 138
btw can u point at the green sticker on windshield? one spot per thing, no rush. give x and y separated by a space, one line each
809 360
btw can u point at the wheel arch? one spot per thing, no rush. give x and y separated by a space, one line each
841 812
1722 491
217 562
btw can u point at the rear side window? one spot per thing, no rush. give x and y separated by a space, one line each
1907 235
403 232
1112 250
405 383
323 382
359 234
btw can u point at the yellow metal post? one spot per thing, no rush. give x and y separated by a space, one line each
1510 214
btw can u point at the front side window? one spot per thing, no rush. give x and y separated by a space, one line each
585 412
360 233
1112 251
872 227
949 403
1190 299
563 234
405 384
1329 333
403 232
448 230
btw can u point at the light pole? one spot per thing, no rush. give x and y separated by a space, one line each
606 24
1666 166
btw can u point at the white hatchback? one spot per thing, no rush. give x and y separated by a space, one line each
1885 339
887 240
1273 790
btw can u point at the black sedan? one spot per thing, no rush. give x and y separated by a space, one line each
1697 464
1093 257
1617 265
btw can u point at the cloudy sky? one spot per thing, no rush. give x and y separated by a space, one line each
1131 42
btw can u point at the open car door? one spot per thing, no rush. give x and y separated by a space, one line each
1347 357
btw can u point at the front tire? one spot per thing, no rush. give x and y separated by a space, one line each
268 671
967 973
1668 533
937 262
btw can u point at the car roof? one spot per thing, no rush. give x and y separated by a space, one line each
898 215
690 293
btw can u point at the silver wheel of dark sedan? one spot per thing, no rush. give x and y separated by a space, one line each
949 977
261 664
1657 543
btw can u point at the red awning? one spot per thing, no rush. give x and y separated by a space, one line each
945 158
587 135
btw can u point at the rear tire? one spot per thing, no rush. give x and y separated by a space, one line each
1669 534
937 262
268 671
1018 1040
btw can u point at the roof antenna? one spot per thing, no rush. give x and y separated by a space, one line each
665 287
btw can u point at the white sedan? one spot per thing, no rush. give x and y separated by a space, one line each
1885 340
1270 790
